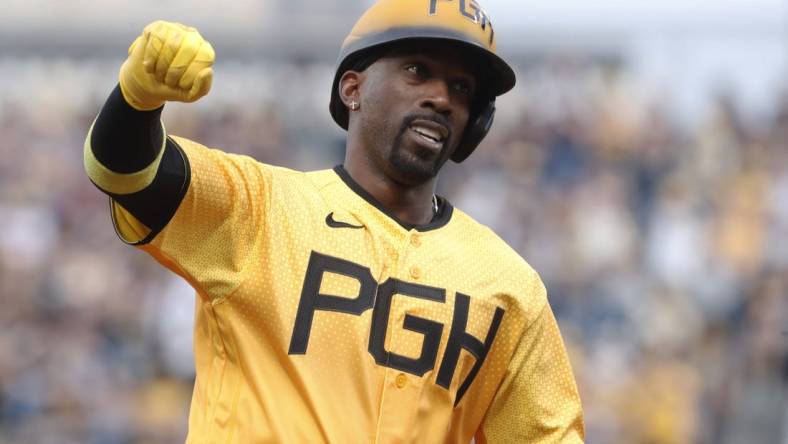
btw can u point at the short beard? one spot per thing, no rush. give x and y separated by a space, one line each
413 169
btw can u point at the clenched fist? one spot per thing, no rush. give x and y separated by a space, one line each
169 61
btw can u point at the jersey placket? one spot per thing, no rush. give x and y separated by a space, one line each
401 390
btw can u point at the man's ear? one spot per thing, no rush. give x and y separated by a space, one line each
349 85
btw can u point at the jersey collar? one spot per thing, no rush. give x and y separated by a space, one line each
443 216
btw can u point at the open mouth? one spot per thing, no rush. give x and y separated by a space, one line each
430 135
433 133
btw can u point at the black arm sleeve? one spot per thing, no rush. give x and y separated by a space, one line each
126 140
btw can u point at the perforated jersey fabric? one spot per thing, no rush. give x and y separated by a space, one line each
320 318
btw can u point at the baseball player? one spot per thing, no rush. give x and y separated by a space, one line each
348 305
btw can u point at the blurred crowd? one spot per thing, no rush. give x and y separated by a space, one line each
659 239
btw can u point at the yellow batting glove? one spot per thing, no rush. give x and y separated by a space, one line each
169 61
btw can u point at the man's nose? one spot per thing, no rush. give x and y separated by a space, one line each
436 96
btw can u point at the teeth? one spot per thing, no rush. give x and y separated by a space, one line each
428 133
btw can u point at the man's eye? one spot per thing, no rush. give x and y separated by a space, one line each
462 87
415 69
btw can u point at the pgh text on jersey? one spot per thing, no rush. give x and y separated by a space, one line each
378 297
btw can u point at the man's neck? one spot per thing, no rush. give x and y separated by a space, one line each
410 204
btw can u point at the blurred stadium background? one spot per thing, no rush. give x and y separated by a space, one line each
640 165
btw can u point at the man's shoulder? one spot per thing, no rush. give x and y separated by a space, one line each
486 245
490 259
321 178
194 149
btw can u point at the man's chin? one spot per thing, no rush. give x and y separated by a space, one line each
414 164
412 169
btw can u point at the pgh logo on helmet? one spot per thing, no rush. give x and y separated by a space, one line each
459 22
478 15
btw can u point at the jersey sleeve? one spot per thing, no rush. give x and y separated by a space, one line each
538 400
217 225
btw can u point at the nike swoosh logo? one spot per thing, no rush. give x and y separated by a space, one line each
337 224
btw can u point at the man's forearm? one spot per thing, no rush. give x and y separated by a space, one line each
124 147
124 139
129 157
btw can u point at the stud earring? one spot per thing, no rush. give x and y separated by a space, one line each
353 105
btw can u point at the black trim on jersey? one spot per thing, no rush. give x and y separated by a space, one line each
155 205
441 218
124 139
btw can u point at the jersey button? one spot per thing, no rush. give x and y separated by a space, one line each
415 240
401 380
415 272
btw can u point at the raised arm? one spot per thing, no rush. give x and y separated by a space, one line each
127 154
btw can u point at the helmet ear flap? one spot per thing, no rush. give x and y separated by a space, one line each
475 131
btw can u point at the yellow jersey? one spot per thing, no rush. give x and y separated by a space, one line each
322 318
